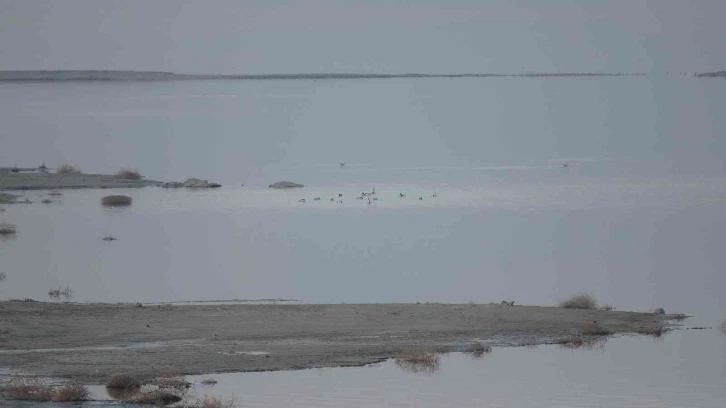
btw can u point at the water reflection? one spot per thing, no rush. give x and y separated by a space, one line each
478 350
589 343
418 360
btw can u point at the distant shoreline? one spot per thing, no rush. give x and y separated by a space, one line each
99 75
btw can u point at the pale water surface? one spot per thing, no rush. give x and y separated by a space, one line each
637 218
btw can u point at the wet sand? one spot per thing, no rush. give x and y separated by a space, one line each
87 342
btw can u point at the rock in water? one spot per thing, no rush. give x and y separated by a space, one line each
285 184
196 183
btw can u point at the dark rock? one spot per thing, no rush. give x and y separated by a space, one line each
285 184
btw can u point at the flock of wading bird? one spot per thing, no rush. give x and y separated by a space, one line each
371 196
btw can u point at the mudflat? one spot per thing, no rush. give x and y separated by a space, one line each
88 342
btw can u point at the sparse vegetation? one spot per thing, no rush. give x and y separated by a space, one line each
656 332
55 193
592 328
3 276
123 381
722 327
211 402
71 392
418 360
127 174
116 201
477 350
209 381
68 169
153 397
167 380
57 292
28 389
579 301
607 308
109 238
586 342
8 229
46 201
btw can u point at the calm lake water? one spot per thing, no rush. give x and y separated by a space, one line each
637 218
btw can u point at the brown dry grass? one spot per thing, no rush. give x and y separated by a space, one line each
7 229
167 380
28 389
579 301
418 360
584 342
70 392
68 169
127 174
116 201
154 397
211 402
655 332
123 381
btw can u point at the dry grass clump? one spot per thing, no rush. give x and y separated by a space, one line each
592 328
46 201
579 301
127 174
3 276
607 308
655 332
211 402
109 238
116 201
28 389
154 397
7 229
585 342
68 169
722 327
477 350
70 392
123 381
418 360
209 381
55 193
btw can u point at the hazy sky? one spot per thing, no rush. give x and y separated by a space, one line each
261 36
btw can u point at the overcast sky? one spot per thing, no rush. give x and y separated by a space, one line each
287 36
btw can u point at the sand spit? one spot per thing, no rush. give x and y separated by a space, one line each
53 181
88 342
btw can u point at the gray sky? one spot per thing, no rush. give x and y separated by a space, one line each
260 36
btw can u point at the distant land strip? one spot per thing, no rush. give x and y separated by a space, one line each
84 75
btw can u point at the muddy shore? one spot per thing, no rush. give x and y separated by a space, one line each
53 181
87 342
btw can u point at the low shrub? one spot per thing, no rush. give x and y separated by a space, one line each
126 174
579 301
71 392
68 169
124 381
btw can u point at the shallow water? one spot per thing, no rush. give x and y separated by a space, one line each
681 369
